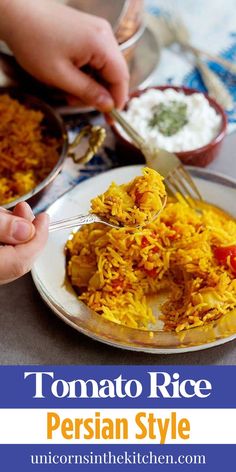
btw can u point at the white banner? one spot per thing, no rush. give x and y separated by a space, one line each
117 426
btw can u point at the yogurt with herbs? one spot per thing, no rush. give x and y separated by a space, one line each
173 121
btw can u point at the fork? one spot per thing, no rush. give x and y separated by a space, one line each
177 178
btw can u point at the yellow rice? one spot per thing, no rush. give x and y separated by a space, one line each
117 270
134 203
27 153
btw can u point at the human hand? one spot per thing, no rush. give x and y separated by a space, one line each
53 42
23 237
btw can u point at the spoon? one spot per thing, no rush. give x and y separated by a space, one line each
90 218
79 220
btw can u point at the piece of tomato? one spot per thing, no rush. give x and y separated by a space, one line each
173 236
155 249
233 263
138 197
117 284
222 253
151 273
144 242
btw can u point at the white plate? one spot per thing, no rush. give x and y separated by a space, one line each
49 272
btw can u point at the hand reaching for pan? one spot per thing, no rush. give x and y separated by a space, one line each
56 44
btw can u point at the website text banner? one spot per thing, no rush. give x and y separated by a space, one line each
189 458
97 387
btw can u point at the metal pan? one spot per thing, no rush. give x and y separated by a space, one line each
54 126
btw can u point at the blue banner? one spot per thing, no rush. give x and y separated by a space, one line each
117 387
208 458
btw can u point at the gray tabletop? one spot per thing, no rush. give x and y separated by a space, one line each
31 334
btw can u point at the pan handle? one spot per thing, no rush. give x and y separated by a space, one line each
96 136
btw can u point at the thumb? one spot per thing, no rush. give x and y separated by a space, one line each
81 85
15 230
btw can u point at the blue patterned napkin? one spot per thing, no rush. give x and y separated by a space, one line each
212 27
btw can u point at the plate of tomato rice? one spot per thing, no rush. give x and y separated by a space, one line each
166 286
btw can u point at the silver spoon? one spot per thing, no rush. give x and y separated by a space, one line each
90 218
79 220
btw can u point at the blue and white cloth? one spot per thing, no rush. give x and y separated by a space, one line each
212 25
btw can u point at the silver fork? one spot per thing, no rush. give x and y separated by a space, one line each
177 178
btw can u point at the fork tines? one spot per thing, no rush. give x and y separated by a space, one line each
178 181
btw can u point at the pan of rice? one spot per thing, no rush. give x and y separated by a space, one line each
168 285
33 147
34 144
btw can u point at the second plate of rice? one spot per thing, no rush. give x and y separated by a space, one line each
158 289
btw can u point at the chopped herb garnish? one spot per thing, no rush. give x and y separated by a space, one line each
169 118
